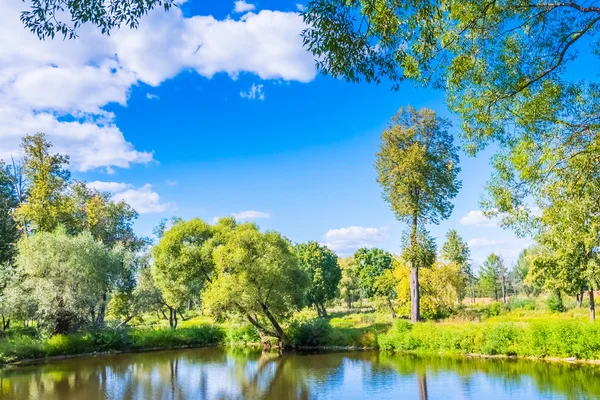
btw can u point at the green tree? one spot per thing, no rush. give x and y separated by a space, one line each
46 18
183 263
492 277
9 233
374 267
349 284
69 277
457 251
257 277
47 204
417 166
498 61
321 266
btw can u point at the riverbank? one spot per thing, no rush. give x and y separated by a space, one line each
527 334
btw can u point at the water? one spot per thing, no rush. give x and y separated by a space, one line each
213 373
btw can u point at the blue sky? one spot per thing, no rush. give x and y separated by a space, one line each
205 117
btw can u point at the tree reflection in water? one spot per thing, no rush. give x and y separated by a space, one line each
213 373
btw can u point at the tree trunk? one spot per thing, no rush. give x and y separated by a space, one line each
580 298
181 315
391 306
323 311
592 306
163 313
101 311
415 299
189 306
503 289
280 333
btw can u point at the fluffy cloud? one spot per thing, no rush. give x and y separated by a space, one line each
241 7
348 240
508 248
62 86
477 218
144 200
251 214
255 92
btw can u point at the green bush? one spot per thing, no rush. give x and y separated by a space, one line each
311 332
555 303
549 338
239 336
516 303
167 338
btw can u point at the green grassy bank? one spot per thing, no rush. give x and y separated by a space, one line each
18 346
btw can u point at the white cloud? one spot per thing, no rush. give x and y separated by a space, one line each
509 248
348 240
241 6
171 183
144 200
477 218
109 186
151 96
61 87
251 214
255 92
300 7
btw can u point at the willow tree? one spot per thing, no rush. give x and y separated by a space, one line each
417 166
257 278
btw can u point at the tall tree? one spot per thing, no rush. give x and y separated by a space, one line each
47 204
417 166
321 266
47 18
257 277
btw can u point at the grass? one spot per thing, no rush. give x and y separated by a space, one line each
21 347
522 328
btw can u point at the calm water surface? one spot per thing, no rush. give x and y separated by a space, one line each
213 373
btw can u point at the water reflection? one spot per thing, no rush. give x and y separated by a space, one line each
216 374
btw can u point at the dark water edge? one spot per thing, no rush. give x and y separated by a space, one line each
216 373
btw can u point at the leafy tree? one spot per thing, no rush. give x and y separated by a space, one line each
47 204
456 250
164 225
373 268
257 277
321 266
108 221
498 61
9 233
349 284
47 18
417 166
183 263
69 277
492 276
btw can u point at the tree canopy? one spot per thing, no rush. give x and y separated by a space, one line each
321 266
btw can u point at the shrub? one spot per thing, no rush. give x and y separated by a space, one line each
242 335
554 303
519 303
313 332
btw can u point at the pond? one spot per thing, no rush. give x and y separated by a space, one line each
214 373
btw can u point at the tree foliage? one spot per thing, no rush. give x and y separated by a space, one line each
47 18
69 277
417 167
491 275
370 265
349 286
257 278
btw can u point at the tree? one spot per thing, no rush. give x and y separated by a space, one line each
373 267
257 277
321 266
456 250
69 277
9 234
492 276
349 284
417 166
47 204
498 61
46 18
183 263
